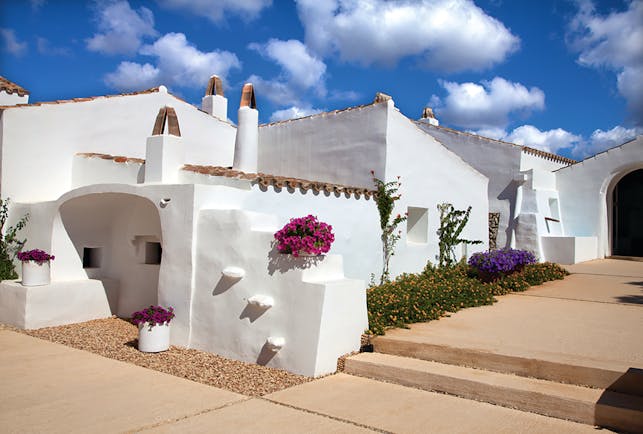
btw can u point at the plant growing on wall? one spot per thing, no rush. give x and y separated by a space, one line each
305 235
10 244
452 222
385 197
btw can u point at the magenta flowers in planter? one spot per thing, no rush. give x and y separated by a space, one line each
154 315
305 235
36 255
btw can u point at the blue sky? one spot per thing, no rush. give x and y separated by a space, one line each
563 76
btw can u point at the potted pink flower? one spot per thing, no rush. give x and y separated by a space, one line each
153 328
35 267
305 236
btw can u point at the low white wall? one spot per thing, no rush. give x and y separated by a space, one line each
568 250
317 313
88 170
585 191
59 303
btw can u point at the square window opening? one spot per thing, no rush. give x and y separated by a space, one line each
92 257
153 252
417 225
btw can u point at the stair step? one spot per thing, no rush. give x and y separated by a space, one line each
564 401
569 372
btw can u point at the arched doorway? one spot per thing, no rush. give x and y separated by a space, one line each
627 215
118 240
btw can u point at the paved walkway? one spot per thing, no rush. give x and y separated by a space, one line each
45 387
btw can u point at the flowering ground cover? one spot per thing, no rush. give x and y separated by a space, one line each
435 292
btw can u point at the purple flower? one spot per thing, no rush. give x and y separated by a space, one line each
36 255
504 261
153 315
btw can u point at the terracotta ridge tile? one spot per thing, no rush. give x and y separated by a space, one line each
332 112
115 159
83 99
11 87
266 180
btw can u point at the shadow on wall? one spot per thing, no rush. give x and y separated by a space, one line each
224 283
265 355
283 262
509 194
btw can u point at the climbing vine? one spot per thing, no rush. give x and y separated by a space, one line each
10 244
452 222
386 195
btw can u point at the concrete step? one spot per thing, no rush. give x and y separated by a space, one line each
598 374
565 401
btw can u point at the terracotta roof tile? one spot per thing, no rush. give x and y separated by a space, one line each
76 100
215 86
166 115
115 159
321 114
11 87
279 181
248 96
526 149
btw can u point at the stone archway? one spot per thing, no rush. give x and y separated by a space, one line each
627 215
118 238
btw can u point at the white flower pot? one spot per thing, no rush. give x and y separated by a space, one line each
34 274
153 339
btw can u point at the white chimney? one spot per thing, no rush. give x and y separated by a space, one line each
247 141
427 114
164 153
214 102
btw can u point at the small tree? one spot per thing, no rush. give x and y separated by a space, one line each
452 222
385 197
10 245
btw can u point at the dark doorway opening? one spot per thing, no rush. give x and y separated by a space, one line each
627 217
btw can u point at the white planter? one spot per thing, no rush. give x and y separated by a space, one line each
34 274
154 339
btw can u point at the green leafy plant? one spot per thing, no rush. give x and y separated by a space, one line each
452 222
10 244
386 195
438 291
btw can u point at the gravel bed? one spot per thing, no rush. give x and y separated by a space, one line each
117 339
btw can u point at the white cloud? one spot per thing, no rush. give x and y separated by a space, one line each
300 72
558 139
37 4
130 76
122 29
11 42
215 10
293 112
486 105
178 63
447 35
553 140
614 41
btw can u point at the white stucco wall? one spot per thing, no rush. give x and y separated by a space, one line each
431 174
531 161
39 142
585 191
88 170
12 98
338 147
498 161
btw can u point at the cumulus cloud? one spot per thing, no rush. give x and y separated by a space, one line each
11 43
558 140
215 10
293 113
615 42
121 28
445 35
553 140
487 105
178 63
45 47
301 72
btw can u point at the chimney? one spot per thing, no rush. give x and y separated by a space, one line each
247 141
214 102
427 114
164 152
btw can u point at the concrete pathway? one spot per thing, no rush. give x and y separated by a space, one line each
46 387
595 315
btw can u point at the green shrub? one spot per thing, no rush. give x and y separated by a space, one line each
437 291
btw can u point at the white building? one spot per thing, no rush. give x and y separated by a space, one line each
145 199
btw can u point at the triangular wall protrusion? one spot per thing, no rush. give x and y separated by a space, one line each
215 86
167 115
248 96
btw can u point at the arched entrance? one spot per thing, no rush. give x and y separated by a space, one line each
118 240
627 215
